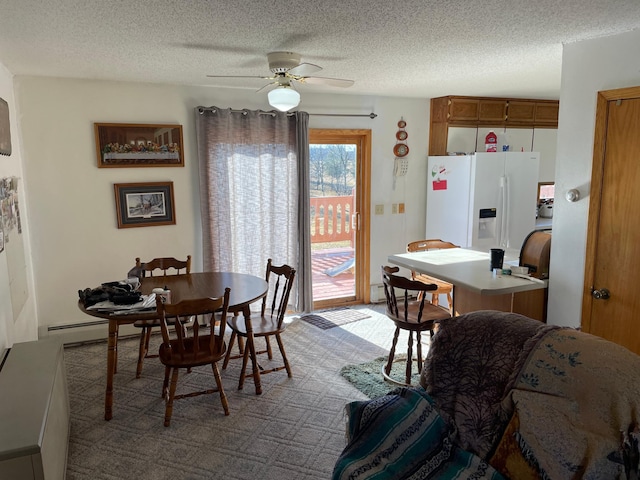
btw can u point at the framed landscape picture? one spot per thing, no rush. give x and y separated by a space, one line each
144 204
138 145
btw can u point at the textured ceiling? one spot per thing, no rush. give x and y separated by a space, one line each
405 48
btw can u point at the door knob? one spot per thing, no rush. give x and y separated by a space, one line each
602 294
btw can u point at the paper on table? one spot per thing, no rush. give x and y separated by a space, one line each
147 302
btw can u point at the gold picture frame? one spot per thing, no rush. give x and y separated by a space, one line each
138 145
146 204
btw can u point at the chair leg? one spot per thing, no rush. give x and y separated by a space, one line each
165 383
243 372
223 397
435 299
229 347
284 355
450 301
269 351
144 349
172 393
392 352
419 348
409 358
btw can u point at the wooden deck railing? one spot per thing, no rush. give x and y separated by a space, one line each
331 219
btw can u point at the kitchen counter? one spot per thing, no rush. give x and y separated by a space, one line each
474 286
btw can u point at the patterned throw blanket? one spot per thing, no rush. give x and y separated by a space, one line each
401 436
572 404
504 397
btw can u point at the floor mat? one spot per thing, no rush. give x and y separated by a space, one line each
367 377
334 318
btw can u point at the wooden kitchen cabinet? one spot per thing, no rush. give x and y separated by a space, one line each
533 113
463 111
547 113
492 111
521 112
477 110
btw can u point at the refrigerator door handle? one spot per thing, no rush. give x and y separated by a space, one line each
503 239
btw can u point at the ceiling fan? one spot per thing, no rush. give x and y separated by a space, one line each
287 70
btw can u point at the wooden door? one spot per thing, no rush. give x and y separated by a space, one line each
611 303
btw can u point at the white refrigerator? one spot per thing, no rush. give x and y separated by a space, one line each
484 200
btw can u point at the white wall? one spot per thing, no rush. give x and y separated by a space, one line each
76 242
24 327
587 67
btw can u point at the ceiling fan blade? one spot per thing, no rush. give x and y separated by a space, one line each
241 76
304 69
332 82
267 85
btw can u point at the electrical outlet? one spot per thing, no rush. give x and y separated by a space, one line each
394 208
379 209
401 208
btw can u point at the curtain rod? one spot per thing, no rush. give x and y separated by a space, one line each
370 115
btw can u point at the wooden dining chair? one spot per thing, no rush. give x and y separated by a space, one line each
270 323
191 348
156 267
444 288
409 313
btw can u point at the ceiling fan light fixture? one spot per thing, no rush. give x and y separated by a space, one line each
284 98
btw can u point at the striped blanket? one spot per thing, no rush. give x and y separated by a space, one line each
401 436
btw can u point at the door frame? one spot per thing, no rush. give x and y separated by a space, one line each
597 176
361 137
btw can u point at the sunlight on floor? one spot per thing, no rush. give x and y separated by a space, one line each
378 329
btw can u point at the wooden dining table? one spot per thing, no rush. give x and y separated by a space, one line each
245 290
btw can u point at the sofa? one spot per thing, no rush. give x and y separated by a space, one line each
503 396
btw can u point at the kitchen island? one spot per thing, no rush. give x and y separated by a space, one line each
474 285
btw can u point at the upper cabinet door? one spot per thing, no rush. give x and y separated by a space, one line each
486 111
464 109
521 112
547 113
492 111
533 112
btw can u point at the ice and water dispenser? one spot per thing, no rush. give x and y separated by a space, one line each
487 224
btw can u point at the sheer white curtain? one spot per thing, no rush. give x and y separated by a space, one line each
254 193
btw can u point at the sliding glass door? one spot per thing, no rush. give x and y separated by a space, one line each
339 183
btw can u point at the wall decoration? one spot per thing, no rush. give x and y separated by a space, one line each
400 151
144 204
5 130
138 145
12 244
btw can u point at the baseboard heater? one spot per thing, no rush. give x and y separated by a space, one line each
84 332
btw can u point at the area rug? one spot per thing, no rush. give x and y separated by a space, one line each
367 377
334 318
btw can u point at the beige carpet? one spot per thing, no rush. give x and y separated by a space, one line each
294 430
